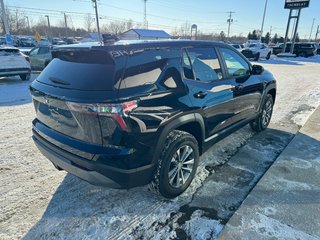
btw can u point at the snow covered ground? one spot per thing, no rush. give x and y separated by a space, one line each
39 202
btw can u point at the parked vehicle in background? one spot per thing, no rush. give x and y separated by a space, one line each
26 42
318 48
300 49
57 41
256 51
128 114
40 57
2 41
44 42
70 40
13 62
239 47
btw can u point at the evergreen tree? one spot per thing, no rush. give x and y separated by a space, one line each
267 38
254 35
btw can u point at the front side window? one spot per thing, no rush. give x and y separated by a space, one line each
34 52
236 65
205 63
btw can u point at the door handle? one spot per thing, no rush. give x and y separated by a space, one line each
238 87
200 95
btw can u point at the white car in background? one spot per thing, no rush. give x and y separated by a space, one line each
13 62
239 47
257 50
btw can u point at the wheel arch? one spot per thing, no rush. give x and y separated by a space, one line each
191 123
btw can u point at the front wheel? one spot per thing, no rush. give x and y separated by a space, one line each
263 120
268 56
177 165
25 77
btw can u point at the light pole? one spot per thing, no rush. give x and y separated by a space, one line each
49 27
28 23
4 19
65 24
264 15
311 29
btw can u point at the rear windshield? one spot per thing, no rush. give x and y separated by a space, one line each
9 52
91 70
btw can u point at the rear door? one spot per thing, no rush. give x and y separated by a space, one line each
248 88
210 92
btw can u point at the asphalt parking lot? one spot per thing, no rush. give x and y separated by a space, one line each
39 202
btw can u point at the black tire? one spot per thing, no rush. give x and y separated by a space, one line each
257 57
263 120
268 56
25 77
176 142
303 54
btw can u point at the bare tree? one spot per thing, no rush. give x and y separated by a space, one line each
88 22
117 27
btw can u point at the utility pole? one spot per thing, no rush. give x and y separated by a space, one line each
4 19
28 23
229 21
49 27
311 29
270 35
65 24
145 22
264 15
95 5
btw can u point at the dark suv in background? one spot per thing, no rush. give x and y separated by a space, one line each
129 114
300 49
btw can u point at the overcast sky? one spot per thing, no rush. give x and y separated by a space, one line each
209 15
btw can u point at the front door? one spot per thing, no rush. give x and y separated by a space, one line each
209 91
248 88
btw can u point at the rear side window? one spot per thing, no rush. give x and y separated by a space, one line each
147 67
205 64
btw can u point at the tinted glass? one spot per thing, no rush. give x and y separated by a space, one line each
146 67
83 70
43 50
236 65
186 65
235 46
34 52
205 64
9 52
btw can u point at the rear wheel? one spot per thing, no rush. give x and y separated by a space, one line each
257 57
263 120
177 165
25 77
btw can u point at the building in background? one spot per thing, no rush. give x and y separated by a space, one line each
144 34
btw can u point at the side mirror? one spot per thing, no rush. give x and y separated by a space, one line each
257 70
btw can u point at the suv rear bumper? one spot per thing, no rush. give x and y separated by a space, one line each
14 71
91 171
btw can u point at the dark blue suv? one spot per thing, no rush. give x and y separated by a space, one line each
129 114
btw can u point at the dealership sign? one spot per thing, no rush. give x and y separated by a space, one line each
296 4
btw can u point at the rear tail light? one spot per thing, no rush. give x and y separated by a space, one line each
116 111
